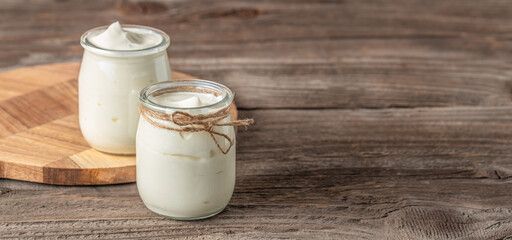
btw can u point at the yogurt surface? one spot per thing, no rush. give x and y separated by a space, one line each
117 38
186 100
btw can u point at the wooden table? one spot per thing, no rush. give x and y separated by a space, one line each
374 119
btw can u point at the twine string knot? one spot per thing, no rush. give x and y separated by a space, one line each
197 123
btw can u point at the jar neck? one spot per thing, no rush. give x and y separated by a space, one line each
160 89
133 58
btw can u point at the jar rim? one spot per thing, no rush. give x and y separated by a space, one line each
164 43
148 91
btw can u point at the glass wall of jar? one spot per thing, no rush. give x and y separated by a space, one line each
109 85
185 174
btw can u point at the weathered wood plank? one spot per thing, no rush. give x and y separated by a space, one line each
299 54
415 173
424 173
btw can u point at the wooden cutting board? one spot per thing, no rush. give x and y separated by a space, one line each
40 139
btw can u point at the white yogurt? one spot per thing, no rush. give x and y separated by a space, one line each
186 100
184 175
117 64
117 38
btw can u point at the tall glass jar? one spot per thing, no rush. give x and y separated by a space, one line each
184 174
109 85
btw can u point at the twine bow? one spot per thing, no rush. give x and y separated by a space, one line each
196 123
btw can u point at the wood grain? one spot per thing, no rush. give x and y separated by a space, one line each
375 119
40 139
368 174
339 54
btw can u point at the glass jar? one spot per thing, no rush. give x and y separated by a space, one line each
185 175
108 90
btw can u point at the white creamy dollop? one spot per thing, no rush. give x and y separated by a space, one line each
118 38
187 100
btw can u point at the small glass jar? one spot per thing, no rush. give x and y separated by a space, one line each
108 90
184 175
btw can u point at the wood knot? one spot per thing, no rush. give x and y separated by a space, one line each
4 191
429 223
494 172
233 12
141 8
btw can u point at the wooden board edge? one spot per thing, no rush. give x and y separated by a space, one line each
88 176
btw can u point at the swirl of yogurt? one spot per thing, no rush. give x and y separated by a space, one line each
115 37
